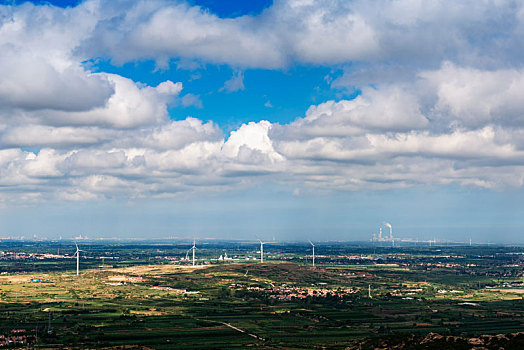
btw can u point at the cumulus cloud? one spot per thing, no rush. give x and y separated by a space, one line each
131 105
31 82
451 119
37 67
390 136
39 135
387 109
455 118
476 97
319 32
287 31
251 140
172 135
160 29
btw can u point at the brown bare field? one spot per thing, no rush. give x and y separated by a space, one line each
514 290
124 278
17 278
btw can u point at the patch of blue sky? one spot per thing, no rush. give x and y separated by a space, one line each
34 150
221 8
57 3
233 8
276 96
279 96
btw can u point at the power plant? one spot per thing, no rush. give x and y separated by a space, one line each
380 237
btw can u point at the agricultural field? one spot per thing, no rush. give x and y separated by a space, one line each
357 296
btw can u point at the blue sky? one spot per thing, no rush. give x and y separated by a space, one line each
294 119
274 95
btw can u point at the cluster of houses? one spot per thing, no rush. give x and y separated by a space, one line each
29 256
16 338
290 293
16 255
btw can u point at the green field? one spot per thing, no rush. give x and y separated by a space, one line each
279 304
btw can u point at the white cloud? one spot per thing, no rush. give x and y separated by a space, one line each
391 136
43 165
38 69
285 32
319 32
416 121
147 31
172 135
475 97
39 135
30 82
325 32
130 106
388 109
251 142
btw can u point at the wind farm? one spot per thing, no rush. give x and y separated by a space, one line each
154 292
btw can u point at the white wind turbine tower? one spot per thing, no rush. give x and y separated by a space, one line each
193 248
262 250
77 253
313 246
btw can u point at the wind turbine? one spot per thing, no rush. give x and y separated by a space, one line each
262 250
77 253
194 248
313 246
